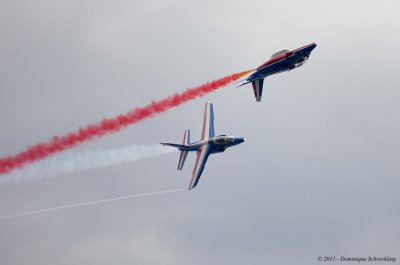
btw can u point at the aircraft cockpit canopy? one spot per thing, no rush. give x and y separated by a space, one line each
279 53
223 139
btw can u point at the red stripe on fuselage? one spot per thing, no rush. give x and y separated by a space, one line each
271 61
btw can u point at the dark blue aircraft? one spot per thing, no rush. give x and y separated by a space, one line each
281 61
209 144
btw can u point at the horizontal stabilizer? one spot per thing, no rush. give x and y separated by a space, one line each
242 84
179 146
251 80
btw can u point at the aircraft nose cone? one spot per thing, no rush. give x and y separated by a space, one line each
314 45
240 140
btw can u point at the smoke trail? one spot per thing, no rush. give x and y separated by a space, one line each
88 203
76 161
106 126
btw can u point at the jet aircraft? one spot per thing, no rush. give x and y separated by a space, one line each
209 144
281 61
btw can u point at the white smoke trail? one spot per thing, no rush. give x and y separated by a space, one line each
75 161
88 203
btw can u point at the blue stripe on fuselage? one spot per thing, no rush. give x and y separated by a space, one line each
279 66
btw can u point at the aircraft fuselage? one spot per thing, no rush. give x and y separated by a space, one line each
285 61
217 144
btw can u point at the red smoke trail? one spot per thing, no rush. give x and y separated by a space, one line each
106 126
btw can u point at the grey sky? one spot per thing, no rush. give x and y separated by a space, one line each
318 174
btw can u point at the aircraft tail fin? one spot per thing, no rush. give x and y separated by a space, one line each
182 159
184 153
186 137
186 143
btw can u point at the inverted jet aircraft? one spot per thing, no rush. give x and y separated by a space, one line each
209 144
281 61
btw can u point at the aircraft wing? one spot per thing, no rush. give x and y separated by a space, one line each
204 150
257 83
258 88
208 122
202 156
